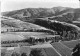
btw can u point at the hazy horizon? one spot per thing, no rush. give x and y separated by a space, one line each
11 5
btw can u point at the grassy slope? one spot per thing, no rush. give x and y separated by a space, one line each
14 23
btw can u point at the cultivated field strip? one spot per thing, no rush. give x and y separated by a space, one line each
65 46
50 52
64 51
70 44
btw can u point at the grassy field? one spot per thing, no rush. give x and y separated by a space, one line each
36 34
23 35
10 37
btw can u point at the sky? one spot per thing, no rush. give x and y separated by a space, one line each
9 5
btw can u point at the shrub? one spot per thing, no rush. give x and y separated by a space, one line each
15 54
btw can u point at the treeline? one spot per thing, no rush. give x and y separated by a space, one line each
29 30
34 40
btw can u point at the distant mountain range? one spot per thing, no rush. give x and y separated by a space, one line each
56 13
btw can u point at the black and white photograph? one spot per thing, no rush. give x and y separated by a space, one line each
40 28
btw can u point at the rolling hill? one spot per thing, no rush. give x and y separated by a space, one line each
43 18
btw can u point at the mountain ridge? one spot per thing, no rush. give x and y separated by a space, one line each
29 13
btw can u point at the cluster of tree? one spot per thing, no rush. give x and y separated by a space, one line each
32 40
57 26
36 52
